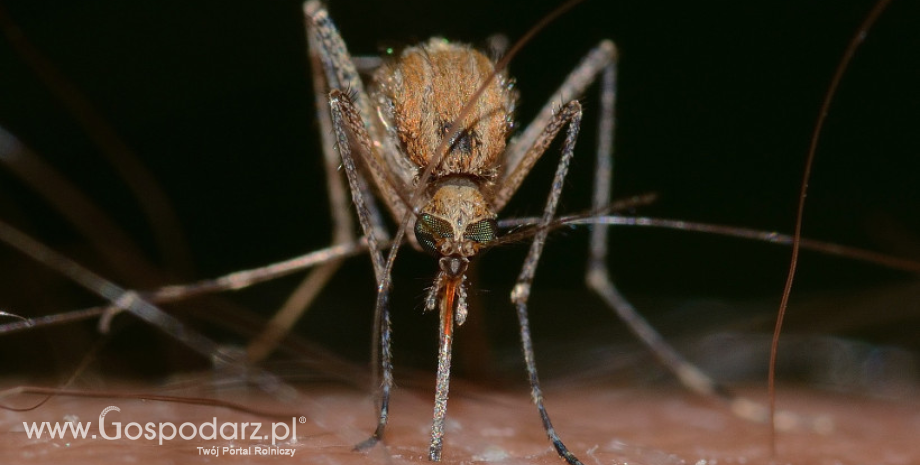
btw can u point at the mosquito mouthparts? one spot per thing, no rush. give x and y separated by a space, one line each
453 266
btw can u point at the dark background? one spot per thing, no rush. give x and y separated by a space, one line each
716 104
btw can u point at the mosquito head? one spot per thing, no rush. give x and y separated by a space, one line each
455 223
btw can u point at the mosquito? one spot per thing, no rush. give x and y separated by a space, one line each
431 133
400 180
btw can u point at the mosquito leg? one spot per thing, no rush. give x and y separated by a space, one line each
334 68
523 152
341 73
522 155
346 119
342 224
116 295
382 343
293 308
351 110
570 114
598 277
328 45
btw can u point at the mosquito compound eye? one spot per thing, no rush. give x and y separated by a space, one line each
429 231
482 232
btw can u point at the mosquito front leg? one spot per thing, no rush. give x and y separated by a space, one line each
570 114
333 68
341 73
347 120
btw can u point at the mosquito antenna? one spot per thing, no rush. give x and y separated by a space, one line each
772 237
587 217
797 235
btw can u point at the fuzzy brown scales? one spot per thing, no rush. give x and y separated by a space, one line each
425 90
418 96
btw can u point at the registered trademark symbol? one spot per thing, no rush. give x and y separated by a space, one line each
302 420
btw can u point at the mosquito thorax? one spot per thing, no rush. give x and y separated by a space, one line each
423 91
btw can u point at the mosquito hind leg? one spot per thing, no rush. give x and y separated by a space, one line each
598 276
342 225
